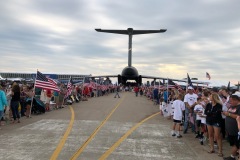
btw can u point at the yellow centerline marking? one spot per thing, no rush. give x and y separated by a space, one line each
64 138
80 150
116 144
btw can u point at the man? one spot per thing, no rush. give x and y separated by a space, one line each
155 95
136 90
231 124
117 92
190 100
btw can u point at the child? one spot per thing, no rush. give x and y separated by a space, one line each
179 107
203 125
198 109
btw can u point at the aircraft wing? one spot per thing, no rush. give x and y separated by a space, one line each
102 76
15 79
178 80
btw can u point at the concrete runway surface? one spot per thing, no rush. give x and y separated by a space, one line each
101 128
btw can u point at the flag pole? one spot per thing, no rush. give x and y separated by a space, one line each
167 89
63 96
30 112
238 86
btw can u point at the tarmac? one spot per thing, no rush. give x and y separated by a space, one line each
125 128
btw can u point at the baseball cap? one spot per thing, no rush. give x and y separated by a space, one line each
236 94
190 87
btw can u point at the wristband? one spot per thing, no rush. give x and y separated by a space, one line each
229 114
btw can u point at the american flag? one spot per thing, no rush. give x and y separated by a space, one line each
228 86
208 75
69 87
189 81
178 87
171 84
44 83
52 81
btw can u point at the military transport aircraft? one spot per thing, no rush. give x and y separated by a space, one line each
130 73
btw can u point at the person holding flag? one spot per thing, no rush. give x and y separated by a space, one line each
43 82
69 88
62 94
190 100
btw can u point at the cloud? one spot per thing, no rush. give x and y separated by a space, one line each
59 37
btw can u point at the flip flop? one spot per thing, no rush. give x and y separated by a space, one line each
220 154
211 151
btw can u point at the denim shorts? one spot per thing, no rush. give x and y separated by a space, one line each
214 124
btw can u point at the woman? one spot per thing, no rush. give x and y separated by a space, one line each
15 102
238 122
3 103
28 99
213 119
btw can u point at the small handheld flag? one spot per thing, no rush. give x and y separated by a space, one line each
208 75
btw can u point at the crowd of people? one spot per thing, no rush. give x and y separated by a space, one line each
212 114
21 100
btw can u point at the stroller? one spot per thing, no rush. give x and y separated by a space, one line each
38 106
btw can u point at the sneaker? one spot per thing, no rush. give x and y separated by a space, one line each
201 141
197 136
185 131
174 134
179 136
229 158
204 139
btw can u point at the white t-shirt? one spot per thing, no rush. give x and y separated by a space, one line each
203 118
171 108
225 106
190 98
198 108
179 106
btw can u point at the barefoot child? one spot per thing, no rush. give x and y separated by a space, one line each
179 107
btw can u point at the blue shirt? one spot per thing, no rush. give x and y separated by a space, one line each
165 96
55 93
3 100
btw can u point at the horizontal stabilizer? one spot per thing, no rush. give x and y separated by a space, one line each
131 31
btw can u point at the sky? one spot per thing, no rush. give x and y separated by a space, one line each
59 36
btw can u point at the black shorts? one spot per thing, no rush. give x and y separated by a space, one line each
177 121
29 102
233 140
198 123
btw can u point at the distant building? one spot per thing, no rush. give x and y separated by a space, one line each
59 77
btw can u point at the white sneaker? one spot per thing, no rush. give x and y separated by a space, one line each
179 136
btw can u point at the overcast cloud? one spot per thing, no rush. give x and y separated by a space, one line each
58 37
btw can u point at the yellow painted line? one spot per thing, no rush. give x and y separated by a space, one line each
80 150
64 138
116 144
